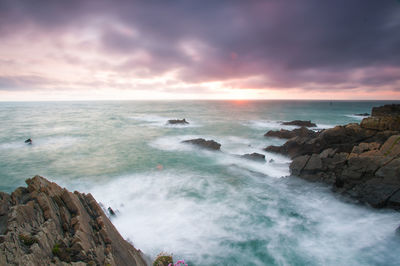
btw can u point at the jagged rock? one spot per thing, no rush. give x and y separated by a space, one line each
45 224
385 117
111 211
386 110
298 164
299 123
288 134
391 147
207 144
178 121
361 161
394 200
381 123
254 156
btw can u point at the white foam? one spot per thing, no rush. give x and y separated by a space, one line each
268 124
231 149
202 218
359 117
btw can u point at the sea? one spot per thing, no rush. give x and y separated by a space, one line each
206 207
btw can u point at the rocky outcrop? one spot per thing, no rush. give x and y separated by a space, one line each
357 160
385 117
288 134
177 122
206 144
45 224
254 156
299 123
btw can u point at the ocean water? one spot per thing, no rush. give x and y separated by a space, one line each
209 208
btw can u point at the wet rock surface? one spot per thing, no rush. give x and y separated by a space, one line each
358 160
254 156
206 144
288 134
177 122
300 123
45 224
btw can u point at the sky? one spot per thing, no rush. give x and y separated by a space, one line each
204 49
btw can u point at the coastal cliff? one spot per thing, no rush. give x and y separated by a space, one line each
45 224
359 160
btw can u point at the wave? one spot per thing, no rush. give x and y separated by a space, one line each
231 149
208 219
359 117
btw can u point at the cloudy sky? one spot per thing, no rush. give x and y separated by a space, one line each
204 49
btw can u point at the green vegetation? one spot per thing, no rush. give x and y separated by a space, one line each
27 240
163 259
56 250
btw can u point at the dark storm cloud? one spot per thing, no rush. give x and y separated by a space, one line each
287 43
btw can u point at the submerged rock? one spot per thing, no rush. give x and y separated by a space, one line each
177 121
300 123
254 156
207 144
362 114
45 224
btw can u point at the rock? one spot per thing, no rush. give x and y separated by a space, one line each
391 147
298 164
177 121
390 170
111 211
48 225
300 123
207 144
288 134
385 117
362 114
376 192
359 160
254 156
386 110
381 123
283 134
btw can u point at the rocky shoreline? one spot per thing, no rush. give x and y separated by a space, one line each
44 224
358 160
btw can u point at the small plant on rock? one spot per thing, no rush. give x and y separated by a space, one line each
27 239
163 259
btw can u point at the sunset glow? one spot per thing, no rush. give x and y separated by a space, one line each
97 50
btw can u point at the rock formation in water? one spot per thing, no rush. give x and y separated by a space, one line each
288 134
362 114
45 224
178 122
299 123
359 160
254 156
207 144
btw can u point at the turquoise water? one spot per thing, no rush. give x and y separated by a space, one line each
209 208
